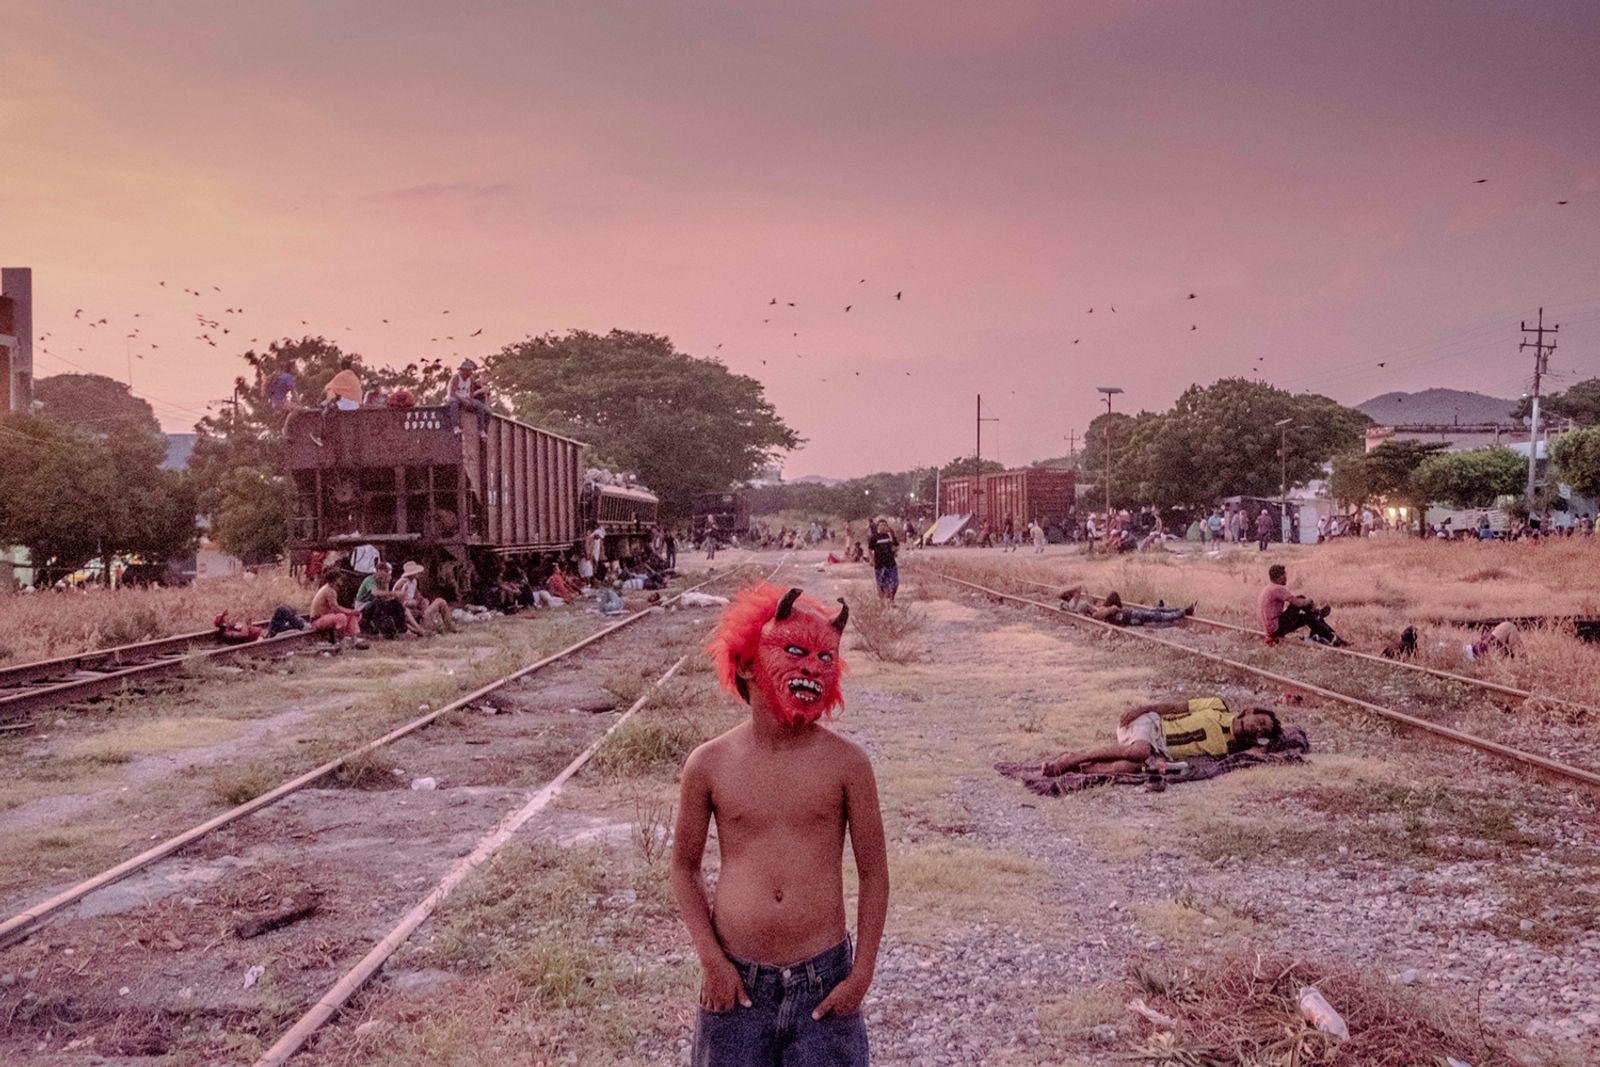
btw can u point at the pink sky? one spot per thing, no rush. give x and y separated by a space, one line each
1306 169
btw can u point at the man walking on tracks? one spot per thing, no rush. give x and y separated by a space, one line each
781 986
883 547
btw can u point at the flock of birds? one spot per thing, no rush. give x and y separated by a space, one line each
214 329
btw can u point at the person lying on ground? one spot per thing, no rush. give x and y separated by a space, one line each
780 984
235 633
1202 726
1283 612
1503 639
1113 610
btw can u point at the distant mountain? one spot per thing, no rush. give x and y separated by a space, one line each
1436 406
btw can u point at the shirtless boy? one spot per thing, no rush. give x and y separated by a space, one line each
780 986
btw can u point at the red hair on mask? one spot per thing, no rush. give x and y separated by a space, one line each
737 638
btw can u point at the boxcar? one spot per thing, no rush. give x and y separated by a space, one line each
400 478
730 509
1021 495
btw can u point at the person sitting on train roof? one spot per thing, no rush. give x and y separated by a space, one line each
467 392
1202 726
328 614
1283 612
342 393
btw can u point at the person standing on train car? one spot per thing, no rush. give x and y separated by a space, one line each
467 392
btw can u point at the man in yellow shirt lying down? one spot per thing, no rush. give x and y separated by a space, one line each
1174 730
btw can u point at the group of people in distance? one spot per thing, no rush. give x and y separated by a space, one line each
465 391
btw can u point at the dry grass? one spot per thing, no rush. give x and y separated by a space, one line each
1239 1009
1376 589
943 883
887 631
46 625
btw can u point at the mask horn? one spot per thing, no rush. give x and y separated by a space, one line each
844 616
786 605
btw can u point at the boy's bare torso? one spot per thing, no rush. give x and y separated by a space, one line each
781 816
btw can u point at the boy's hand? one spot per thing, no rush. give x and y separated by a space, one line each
722 987
846 997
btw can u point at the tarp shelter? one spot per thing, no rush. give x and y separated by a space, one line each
948 528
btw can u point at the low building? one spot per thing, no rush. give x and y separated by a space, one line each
1458 436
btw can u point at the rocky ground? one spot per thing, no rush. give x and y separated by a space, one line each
1020 925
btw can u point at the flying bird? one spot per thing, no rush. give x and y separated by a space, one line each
1113 309
847 307
863 281
1075 340
385 320
897 295
1383 364
763 363
216 288
772 302
78 314
858 374
1194 327
719 346
1480 181
1091 311
446 311
163 285
791 303
476 332
1561 201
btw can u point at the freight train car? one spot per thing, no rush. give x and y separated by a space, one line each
1022 495
730 509
400 478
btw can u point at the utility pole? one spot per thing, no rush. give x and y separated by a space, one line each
1109 391
1072 448
1541 363
1283 476
977 467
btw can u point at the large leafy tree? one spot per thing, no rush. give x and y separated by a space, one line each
1576 459
1581 404
1471 479
684 425
1387 473
83 479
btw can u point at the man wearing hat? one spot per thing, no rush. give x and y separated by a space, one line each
466 392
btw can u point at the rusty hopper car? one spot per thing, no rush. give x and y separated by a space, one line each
399 478
1022 495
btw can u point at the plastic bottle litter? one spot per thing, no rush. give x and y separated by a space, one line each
423 784
1319 1013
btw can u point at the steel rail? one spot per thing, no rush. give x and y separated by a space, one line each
25 922
1565 770
1451 676
535 801
99 659
32 698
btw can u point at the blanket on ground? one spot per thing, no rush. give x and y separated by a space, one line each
1289 747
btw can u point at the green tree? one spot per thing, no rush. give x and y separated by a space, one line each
1471 479
53 486
684 425
1581 404
1575 459
1386 473
252 514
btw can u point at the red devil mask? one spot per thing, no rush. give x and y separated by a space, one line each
787 647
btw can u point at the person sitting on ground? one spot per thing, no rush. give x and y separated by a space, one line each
561 586
428 614
1114 611
1202 726
373 585
1283 612
328 614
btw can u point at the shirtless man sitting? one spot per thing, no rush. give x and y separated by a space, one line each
1173 730
780 987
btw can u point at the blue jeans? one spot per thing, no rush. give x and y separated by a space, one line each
777 1030
456 405
888 580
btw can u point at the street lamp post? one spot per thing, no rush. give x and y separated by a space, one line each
1109 391
1283 475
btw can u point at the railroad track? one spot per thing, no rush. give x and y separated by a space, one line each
1485 684
31 687
24 923
1523 758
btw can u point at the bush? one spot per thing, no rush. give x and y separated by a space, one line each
886 630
